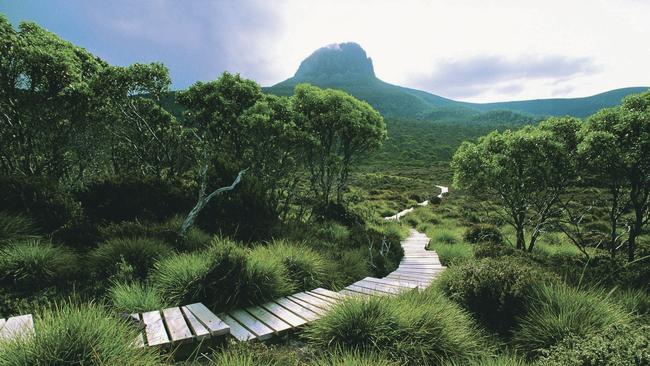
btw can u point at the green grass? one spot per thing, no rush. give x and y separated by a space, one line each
415 328
140 253
556 312
78 334
14 227
33 264
135 298
179 278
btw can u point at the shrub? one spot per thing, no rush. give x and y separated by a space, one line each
77 234
493 250
634 301
617 345
558 311
40 199
78 335
265 279
15 227
118 199
135 298
483 233
32 265
416 328
342 358
353 265
453 254
494 291
179 278
141 253
334 232
304 266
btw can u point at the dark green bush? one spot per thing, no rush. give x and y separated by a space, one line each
493 250
79 234
493 290
119 199
416 328
483 233
15 227
32 265
617 345
558 311
78 335
39 199
141 253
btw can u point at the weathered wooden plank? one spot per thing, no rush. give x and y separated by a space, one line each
155 329
368 291
284 314
350 293
311 307
380 287
2 323
328 293
298 309
311 299
17 327
198 329
215 325
387 281
323 297
253 325
178 329
237 330
138 342
272 321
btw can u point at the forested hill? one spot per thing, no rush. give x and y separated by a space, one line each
346 66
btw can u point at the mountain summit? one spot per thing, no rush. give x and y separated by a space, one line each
346 66
336 63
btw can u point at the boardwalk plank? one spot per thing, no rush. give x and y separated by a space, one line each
311 299
215 325
253 325
155 329
318 310
328 293
237 330
273 322
298 309
178 329
198 329
17 326
284 314
139 340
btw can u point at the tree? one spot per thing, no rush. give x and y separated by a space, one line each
617 147
337 128
524 171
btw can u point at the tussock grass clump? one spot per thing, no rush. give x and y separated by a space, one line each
492 361
617 345
140 253
452 254
353 265
14 227
73 334
556 312
135 298
264 279
334 232
444 236
416 328
634 301
494 291
33 264
179 278
350 358
305 267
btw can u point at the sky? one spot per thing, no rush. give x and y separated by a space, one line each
479 51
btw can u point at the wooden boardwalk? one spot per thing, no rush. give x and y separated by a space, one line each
416 270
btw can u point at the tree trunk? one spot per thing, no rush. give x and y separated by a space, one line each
521 240
204 199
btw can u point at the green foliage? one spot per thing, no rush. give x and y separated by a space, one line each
32 264
483 233
617 345
343 358
305 268
494 291
556 312
180 278
141 253
453 254
14 227
78 334
416 328
135 298
634 301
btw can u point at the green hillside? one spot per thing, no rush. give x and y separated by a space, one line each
345 66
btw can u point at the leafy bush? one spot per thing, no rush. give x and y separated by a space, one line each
556 312
40 199
78 335
334 232
180 278
78 234
304 266
135 298
493 250
617 345
141 253
32 265
416 328
483 233
118 199
494 291
15 227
